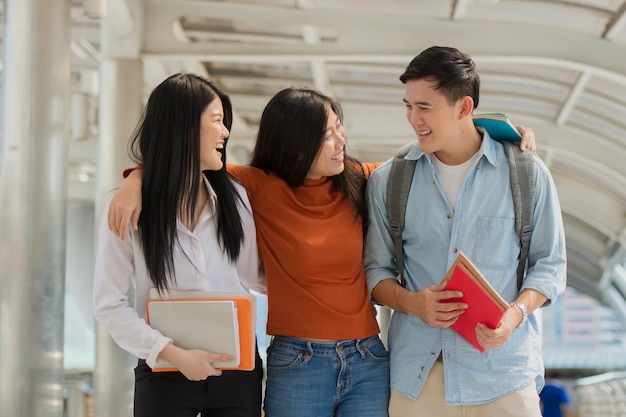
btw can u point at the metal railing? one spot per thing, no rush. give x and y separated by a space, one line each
602 395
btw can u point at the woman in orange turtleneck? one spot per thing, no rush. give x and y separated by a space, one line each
325 357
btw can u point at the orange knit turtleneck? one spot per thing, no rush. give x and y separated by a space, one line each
311 246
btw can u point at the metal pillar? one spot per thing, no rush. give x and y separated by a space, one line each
121 103
35 123
120 107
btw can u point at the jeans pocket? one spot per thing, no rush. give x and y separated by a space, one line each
280 359
377 351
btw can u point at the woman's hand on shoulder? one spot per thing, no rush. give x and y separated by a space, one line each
125 206
528 141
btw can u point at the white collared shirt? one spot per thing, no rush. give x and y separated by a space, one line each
199 264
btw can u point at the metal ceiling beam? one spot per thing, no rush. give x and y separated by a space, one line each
573 97
587 219
354 35
458 9
320 77
619 278
616 24
596 71
312 36
206 36
94 9
615 300
400 60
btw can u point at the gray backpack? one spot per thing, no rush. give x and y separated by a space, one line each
522 177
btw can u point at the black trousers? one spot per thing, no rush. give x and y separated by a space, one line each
170 394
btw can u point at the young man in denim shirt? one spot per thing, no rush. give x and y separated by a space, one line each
461 200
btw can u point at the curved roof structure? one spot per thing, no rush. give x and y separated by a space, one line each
558 66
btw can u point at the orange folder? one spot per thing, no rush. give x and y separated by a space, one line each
240 328
485 304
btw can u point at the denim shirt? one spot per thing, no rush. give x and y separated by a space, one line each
483 227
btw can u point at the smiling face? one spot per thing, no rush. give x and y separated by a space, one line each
212 136
329 159
443 128
431 115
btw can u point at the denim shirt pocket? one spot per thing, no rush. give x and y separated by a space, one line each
496 246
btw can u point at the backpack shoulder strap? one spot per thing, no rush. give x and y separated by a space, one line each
398 186
522 177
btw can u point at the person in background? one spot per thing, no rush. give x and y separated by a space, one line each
460 200
196 232
554 400
307 194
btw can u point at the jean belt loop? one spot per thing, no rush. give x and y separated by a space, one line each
309 354
361 350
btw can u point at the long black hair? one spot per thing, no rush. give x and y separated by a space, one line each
291 133
167 143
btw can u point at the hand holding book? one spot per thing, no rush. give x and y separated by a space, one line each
194 364
207 323
486 306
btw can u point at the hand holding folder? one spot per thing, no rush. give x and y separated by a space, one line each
212 321
485 304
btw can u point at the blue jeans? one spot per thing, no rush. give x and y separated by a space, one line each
311 379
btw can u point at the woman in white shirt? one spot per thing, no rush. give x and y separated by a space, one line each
195 232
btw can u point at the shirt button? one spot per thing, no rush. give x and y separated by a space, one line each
432 352
423 368
449 215
420 376
455 250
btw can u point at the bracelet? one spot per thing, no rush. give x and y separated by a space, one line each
522 308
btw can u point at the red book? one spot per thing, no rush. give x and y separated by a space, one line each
485 305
